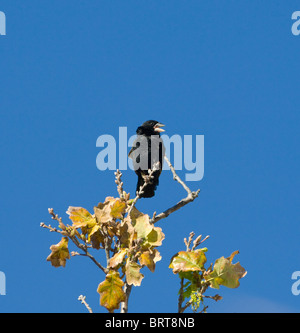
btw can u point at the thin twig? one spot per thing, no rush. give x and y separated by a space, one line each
188 243
198 241
82 298
176 177
141 189
180 298
118 181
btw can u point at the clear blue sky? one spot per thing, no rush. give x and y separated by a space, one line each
71 71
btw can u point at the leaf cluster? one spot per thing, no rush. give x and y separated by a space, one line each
128 237
195 278
130 242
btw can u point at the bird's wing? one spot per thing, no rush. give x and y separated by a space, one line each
135 145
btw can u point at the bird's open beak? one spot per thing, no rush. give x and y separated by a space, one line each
157 128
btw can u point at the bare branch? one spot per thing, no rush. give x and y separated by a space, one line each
190 197
173 209
176 177
105 270
124 305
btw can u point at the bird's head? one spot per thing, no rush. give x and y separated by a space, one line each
150 127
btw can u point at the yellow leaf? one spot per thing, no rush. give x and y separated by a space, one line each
225 273
135 213
60 253
133 275
155 237
102 212
81 218
118 209
111 292
149 259
142 226
111 205
95 237
185 261
126 232
117 258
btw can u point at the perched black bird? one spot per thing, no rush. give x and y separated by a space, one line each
147 150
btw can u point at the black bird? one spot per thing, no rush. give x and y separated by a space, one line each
147 150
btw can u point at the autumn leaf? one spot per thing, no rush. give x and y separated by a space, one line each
81 218
111 292
135 213
118 209
60 253
152 236
126 232
149 259
232 255
112 208
117 258
155 237
225 273
95 236
133 275
142 226
102 212
185 261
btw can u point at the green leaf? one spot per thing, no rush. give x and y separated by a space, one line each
185 261
111 292
225 273
60 253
